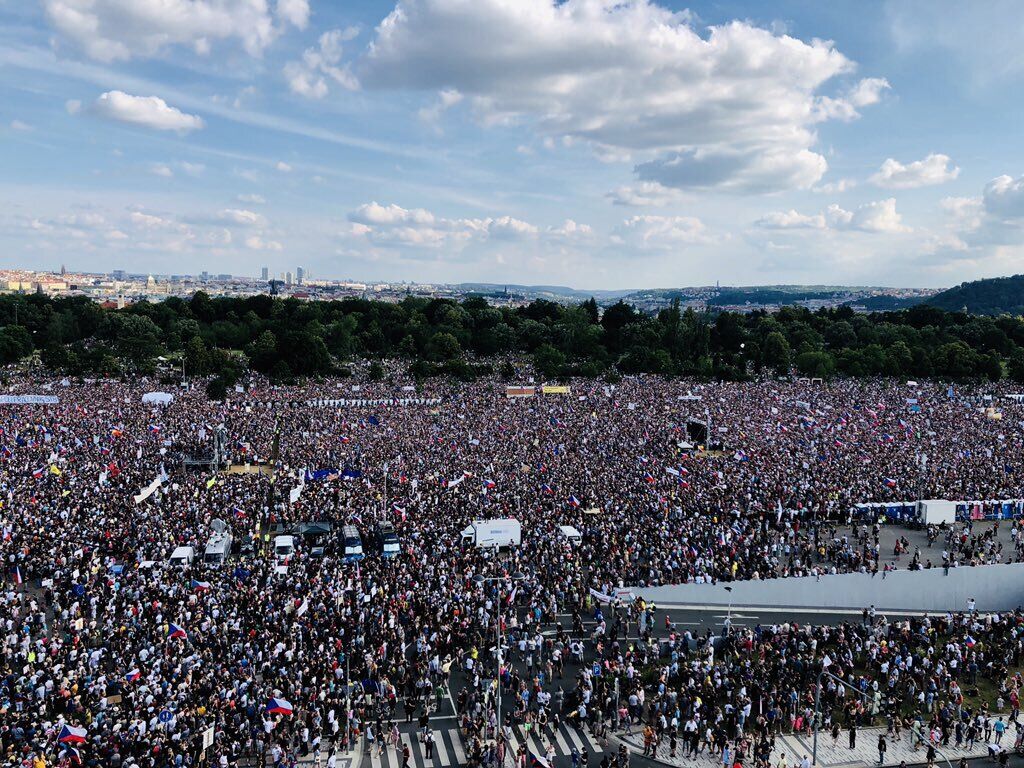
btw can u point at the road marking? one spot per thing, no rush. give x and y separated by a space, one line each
594 744
439 748
460 756
374 757
560 740
574 738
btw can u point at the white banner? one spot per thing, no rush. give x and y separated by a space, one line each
29 399
149 490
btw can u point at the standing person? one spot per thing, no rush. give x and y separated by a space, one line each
428 743
882 746
853 735
406 753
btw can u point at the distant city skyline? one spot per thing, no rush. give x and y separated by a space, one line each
582 143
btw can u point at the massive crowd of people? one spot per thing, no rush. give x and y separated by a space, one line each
252 656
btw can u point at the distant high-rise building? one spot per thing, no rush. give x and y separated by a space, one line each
63 269
264 274
288 278
204 276
118 274
300 272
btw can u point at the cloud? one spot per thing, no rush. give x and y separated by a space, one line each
242 217
283 167
252 199
112 30
734 107
146 111
791 220
934 169
73 106
393 225
570 230
446 99
865 93
159 169
258 243
1004 197
18 125
294 12
643 194
879 216
661 232
192 169
320 64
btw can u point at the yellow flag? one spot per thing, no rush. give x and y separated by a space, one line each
55 470
210 482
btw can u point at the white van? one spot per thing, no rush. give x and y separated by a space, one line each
284 548
182 556
487 534
570 534
218 548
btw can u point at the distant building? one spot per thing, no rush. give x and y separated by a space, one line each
118 274
264 274
300 272
288 278
204 276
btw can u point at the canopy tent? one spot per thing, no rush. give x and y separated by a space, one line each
157 398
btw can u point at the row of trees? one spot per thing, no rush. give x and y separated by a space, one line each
285 338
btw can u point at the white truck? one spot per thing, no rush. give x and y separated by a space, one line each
936 511
571 534
488 534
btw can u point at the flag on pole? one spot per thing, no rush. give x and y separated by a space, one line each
200 586
132 676
574 502
174 631
71 753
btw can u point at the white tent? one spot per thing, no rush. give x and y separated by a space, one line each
157 398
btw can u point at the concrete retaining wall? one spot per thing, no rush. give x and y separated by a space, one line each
994 587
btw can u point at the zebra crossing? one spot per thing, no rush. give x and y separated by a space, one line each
449 751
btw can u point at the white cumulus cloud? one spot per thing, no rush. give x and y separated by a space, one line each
934 169
146 111
321 64
877 216
112 30
731 107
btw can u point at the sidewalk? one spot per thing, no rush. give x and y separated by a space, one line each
830 754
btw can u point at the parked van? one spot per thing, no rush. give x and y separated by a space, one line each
218 548
387 540
487 534
570 534
352 542
182 556
284 548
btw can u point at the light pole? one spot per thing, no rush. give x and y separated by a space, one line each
481 580
728 613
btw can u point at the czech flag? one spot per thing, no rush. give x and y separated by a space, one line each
200 586
279 707
38 473
154 428
574 502
132 676
239 513
400 511
17 575
175 631
536 761
72 754
969 641
648 477
71 735
547 490
889 482
489 484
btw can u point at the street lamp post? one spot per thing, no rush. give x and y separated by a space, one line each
481 580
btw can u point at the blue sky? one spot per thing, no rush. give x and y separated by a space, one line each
588 143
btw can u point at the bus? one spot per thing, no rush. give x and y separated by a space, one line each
353 543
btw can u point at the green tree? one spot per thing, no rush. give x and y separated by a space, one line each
776 352
549 362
